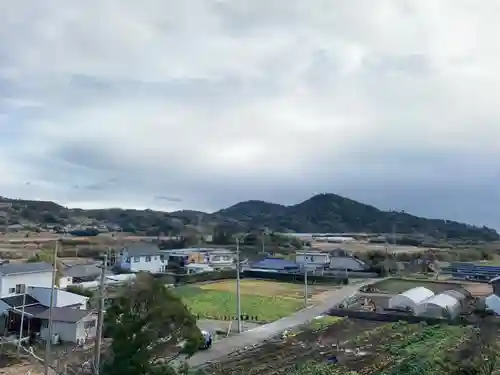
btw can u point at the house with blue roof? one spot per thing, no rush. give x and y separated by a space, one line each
275 265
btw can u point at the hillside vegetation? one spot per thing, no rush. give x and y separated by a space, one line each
323 213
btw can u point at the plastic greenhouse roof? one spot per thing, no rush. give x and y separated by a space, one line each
418 294
442 300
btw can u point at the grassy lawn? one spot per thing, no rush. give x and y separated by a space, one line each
266 300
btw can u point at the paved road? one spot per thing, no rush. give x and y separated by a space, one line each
222 325
255 336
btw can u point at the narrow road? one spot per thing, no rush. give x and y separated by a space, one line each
255 336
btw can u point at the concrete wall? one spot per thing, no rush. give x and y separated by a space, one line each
9 282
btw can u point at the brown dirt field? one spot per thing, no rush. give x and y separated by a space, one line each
279 357
478 289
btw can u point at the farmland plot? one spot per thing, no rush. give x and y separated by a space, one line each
372 348
266 300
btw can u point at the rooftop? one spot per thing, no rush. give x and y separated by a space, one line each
22 268
17 301
143 249
83 270
275 264
64 314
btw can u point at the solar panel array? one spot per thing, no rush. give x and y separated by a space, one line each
471 271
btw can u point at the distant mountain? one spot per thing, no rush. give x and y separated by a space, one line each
323 213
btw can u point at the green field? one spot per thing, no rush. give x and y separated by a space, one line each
266 300
215 304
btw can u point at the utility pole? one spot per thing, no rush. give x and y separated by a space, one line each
22 323
51 306
238 295
100 318
306 292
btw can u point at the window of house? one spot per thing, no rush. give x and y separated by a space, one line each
89 324
20 288
12 290
128 260
162 258
137 259
148 258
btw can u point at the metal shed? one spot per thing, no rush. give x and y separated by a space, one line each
411 299
441 306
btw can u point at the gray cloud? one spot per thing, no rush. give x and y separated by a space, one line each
199 105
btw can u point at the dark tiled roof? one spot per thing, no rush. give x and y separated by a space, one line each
275 264
143 250
84 270
17 301
20 268
35 309
64 314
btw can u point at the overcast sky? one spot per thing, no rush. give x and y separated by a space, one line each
200 104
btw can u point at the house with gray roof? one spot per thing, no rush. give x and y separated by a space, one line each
142 257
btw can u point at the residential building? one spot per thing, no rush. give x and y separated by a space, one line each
220 258
70 318
69 325
193 268
343 260
312 259
79 273
273 265
15 277
142 257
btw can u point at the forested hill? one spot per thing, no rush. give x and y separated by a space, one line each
323 213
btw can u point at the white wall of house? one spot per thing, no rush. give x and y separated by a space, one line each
312 259
87 327
221 259
152 263
11 284
72 332
62 298
65 281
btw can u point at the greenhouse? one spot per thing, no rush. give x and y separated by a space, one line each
493 304
441 306
411 299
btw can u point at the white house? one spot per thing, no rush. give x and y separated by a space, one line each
15 277
142 257
193 268
79 273
312 259
220 258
